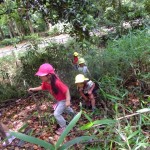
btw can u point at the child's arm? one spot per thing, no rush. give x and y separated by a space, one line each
82 94
91 89
39 88
67 98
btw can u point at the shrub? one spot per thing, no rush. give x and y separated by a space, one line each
123 58
12 41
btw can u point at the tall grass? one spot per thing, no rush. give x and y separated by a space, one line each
122 60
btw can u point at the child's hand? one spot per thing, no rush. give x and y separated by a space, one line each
86 99
30 89
89 92
67 103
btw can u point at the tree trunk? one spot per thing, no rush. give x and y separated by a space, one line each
11 28
10 31
30 26
17 29
120 5
48 24
2 33
29 23
21 26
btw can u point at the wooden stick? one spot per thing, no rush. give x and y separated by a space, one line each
128 116
134 114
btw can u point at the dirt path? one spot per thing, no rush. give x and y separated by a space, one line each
8 50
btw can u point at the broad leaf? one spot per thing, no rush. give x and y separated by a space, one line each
86 126
33 140
67 130
113 98
133 134
76 141
104 121
87 117
100 122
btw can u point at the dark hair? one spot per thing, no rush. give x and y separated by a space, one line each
53 84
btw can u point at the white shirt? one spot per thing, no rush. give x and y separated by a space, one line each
89 84
83 69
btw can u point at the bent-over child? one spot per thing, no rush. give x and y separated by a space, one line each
58 90
87 89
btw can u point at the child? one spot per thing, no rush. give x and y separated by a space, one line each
86 88
58 90
75 60
82 67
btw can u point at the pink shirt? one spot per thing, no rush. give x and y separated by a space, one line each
62 89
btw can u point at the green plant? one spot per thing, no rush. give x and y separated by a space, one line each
59 145
122 132
55 31
12 41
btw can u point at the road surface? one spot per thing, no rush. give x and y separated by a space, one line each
8 50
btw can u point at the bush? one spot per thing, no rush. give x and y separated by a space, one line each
8 91
12 41
123 59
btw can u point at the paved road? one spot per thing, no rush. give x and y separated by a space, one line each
8 50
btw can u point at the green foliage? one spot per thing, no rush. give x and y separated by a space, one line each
122 59
16 40
59 145
98 122
7 42
120 133
32 37
78 13
55 31
147 6
38 22
9 93
129 10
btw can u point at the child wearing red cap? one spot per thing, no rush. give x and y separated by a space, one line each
58 90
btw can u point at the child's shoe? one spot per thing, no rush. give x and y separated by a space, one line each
60 130
94 109
10 139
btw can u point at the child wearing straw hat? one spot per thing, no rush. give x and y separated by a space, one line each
86 89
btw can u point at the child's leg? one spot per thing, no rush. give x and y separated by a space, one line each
91 97
58 113
70 111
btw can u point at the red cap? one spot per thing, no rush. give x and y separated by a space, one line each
45 69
